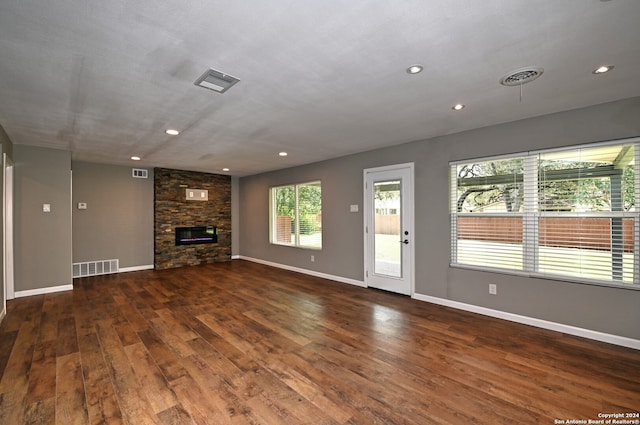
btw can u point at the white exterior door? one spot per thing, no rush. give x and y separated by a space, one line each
389 223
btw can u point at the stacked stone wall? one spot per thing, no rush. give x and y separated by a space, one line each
171 210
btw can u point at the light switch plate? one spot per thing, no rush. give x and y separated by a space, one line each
46 208
82 205
353 208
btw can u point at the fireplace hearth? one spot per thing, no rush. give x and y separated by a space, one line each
196 235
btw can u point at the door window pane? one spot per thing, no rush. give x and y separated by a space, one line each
387 224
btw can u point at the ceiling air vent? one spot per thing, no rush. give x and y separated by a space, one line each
521 76
216 81
140 173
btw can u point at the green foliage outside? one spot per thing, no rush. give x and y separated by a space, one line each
479 197
286 201
387 190
309 206
571 194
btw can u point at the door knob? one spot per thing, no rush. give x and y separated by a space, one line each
406 241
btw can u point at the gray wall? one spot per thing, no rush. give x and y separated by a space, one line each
42 256
5 142
118 221
5 147
599 308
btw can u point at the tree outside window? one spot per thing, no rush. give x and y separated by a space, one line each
297 215
564 212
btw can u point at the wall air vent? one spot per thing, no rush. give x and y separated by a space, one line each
140 173
216 81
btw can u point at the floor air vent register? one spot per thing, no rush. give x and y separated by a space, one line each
95 268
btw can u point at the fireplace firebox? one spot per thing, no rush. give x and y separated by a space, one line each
196 235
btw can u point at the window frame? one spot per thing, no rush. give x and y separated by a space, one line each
273 228
531 217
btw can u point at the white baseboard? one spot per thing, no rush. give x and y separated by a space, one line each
305 271
135 268
559 327
236 257
40 291
52 289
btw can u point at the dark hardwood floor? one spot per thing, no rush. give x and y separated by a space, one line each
242 343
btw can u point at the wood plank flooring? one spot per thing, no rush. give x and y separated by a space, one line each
242 343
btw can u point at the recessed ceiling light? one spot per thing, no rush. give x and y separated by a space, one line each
225 169
283 154
135 158
458 107
415 69
603 69
172 132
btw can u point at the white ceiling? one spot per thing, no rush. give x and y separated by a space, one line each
319 79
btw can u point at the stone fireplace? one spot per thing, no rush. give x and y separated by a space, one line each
191 232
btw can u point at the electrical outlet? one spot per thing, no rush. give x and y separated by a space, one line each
493 289
313 258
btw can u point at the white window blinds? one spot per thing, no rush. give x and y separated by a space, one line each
568 213
488 204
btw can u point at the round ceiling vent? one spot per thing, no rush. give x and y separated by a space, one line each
521 76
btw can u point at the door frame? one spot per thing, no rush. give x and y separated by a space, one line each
7 230
410 218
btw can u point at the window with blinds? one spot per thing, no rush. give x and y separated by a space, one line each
296 215
563 213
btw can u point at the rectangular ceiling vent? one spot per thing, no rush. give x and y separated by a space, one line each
140 173
216 81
